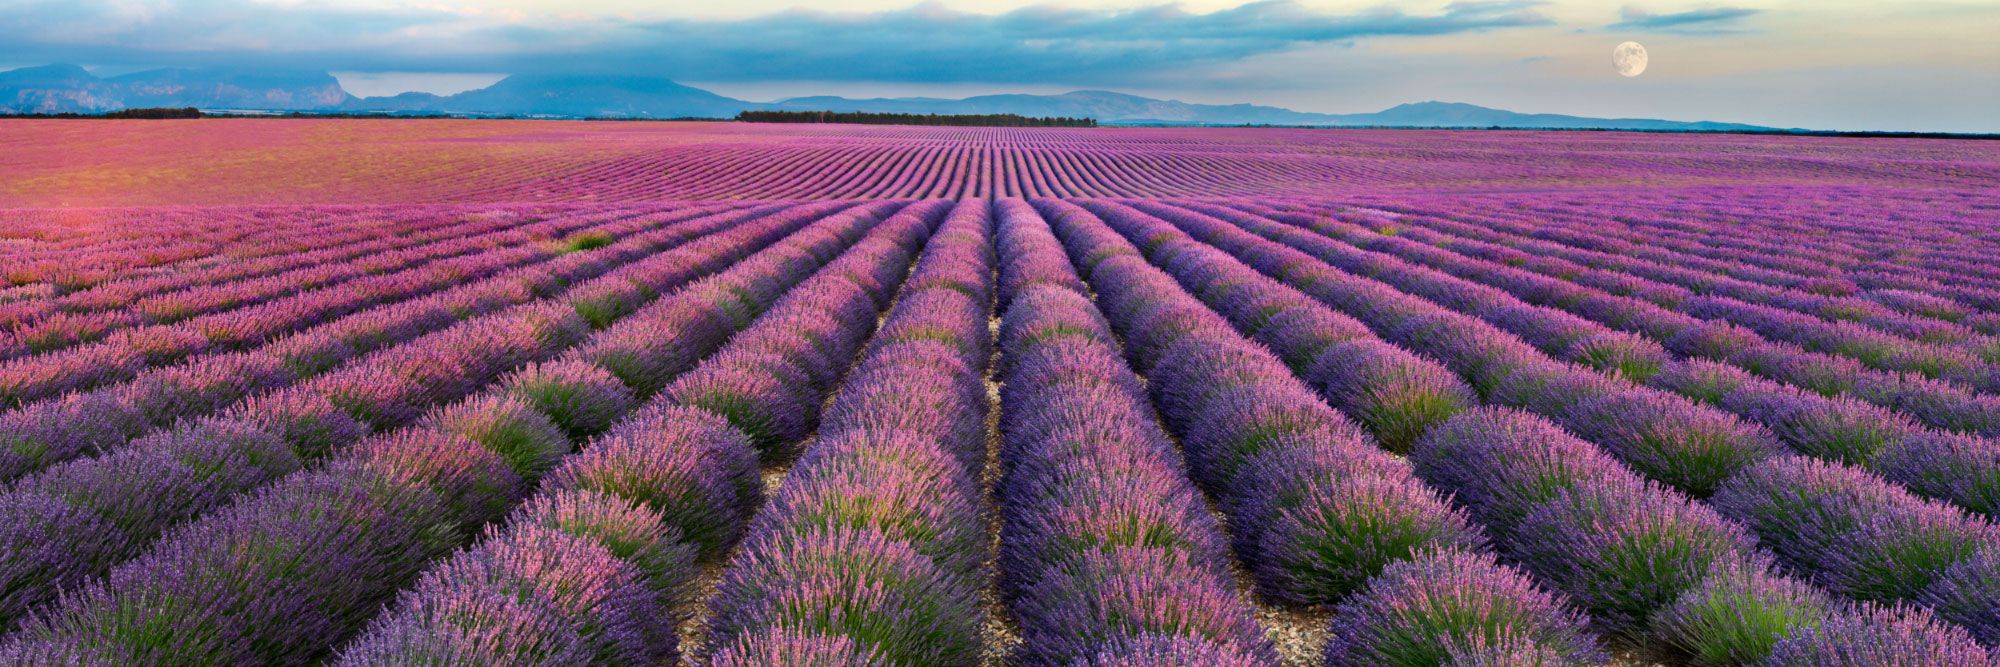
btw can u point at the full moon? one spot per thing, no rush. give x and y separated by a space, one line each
1630 58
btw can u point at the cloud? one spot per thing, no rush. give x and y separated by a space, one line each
1716 20
923 43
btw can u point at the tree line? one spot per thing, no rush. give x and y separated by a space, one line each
149 113
964 120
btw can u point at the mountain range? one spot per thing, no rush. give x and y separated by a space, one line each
72 89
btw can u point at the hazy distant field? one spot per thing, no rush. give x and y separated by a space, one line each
525 392
266 161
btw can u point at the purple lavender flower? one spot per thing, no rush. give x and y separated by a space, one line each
879 397
1841 429
796 648
39 533
699 473
169 476
1632 357
857 583
605 301
1343 531
1300 335
1857 532
1507 651
1220 364
1624 551
1068 363
1164 650
1714 339
761 395
1131 592
112 506
1115 596
1894 555
380 400
1673 440
1044 314
810 341
649 350
509 426
1392 392
1706 381
1963 469
474 482
202 386
1968 593
48 432
940 315
308 422
1153 334
273 578
1281 475
896 485
1091 512
532 594
580 398
630 531
1237 422
1870 635
1429 609
1503 463
1738 613
1552 389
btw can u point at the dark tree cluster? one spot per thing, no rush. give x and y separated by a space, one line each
155 113
126 114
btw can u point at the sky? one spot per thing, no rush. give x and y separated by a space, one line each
1826 64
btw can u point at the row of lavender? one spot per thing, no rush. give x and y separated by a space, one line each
595 567
1833 243
1108 552
1961 469
1850 247
1869 257
234 325
1844 412
1885 545
75 531
1940 339
1631 303
599 284
302 560
78 519
1447 604
388 389
244 274
872 549
78 257
1958 468
1319 513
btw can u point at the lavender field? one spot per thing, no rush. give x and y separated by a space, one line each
486 392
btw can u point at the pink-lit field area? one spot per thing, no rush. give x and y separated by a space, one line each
391 392
297 161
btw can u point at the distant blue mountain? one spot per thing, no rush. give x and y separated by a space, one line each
567 97
68 88
1458 114
1122 109
55 89
278 90
1105 106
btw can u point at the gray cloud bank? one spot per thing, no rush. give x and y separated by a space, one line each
1709 20
925 43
